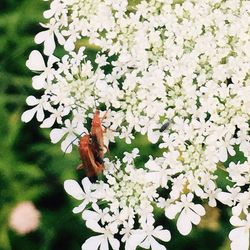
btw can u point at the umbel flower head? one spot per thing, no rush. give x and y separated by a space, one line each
175 71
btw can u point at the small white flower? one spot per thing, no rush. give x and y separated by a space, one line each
47 37
36 63
97 214
146 236
229 198
190 213
240 235
56 116
239 173
85 194
225 147
38 109
127 230
71 130
103 240
127 135
243 203
101 60
129 157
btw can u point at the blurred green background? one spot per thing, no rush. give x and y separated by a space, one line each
33 169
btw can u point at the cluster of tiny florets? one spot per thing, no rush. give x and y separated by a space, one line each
181 65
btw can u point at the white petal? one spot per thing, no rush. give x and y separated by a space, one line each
240 238
93 225
52 59
69 44
81 207
114 243
49 45
28 114
154 177
231 151
74 189
184 224
60 38
156 245
172 210
129 245
146 243
92 243
35 61
40 114
134 240
56 135
86 185
199 209
153 136
236 221
212 202
189 197
48 123
66 145
101 85
222 154
225 198
104 244
32 101
194 218
237 210
41 36
90 215
48 14
163 235
152 165
38 82
242 245
236 233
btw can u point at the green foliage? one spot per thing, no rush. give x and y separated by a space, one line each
31 167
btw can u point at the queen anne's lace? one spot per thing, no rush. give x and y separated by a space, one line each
185 63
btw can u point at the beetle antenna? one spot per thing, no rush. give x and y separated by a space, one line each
77 137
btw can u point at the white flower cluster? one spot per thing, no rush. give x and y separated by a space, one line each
130 196
179 65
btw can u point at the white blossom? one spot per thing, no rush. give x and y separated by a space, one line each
85 194
103 240
240 235
171 74
190 213
146 238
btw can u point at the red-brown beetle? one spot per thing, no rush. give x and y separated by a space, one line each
91 148
87 155
97 133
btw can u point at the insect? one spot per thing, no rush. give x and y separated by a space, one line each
97 132
164 126
87 155
91 148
